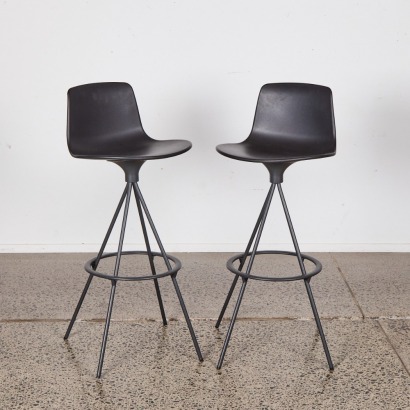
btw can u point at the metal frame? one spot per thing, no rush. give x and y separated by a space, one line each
257 231
172 269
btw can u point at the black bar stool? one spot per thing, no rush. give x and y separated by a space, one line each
104 123
293 122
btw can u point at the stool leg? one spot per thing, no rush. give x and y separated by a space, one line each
307 282
150 257
77 309
87 285
106 328
232 323
168 264
187 319
319 325
232 288
228 296
113 282
248 271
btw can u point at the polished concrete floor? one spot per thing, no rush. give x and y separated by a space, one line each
274 361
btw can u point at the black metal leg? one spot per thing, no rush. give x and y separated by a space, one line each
232 288
113 285
248 271
319 325
77 309
114 219
232 323
151 223
106 328
307 281
187 319
87 285
168 264
228 298
150 257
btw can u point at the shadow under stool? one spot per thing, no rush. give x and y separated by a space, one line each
293 122
104 124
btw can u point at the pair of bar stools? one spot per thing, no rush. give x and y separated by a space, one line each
293 122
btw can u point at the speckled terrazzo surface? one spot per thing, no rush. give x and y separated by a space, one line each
274 361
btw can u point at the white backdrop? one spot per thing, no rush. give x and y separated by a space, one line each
196 68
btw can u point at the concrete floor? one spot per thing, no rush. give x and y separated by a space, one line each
274 361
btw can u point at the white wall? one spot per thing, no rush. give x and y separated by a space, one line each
196 68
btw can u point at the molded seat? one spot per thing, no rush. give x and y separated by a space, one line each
104 123
293 122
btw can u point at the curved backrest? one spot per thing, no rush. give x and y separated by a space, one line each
102 117
298 115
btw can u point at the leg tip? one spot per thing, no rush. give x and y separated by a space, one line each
199 354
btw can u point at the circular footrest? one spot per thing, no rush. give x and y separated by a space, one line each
90 267
315 271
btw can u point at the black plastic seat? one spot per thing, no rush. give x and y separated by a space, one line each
104 123
293 122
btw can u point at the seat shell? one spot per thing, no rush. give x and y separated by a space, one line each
293 122
103 122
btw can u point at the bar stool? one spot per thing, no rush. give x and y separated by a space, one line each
104 124
293 122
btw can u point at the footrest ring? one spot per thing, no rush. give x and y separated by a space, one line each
90 267
315 271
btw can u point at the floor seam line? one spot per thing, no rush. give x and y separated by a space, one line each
348 286
182 320
394 349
